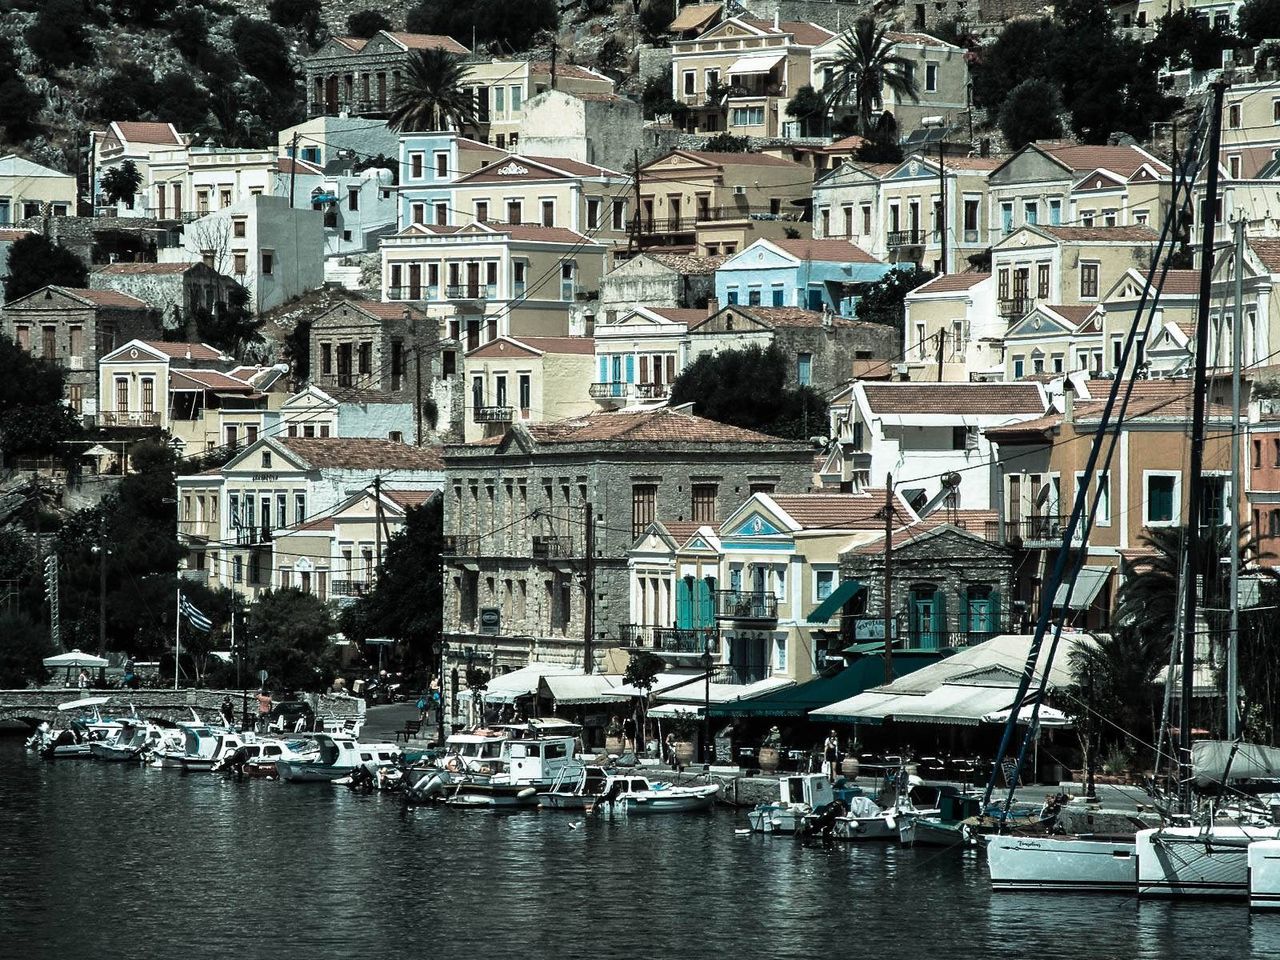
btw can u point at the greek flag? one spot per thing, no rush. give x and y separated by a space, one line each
194 616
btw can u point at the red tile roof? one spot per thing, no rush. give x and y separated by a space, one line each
740 159
355 453
825 251
540 234
387 311
807 34
653 426
1184 283
10 235
185 351
678 314
792 317
207 380
950 282
840 511
845 144
1076 313
145 269
1130 234
427 41
575 167
567 70
410 498
1268 251
688 263
105 298
1082 158
137 131
980 399
295 165
682 530
922 39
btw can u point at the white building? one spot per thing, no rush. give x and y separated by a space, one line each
358 207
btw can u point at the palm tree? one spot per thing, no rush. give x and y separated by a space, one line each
432 95
864 67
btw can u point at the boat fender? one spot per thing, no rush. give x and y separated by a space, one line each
526 793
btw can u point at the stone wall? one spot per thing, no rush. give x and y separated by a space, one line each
174 705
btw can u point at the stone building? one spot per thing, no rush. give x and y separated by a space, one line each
175 290
675 280
358 77
599 128
517 506
951 586
364 354
74 328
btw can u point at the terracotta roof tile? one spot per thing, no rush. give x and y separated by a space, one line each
575 167
845 144
807 34
292 165
207 380
354 44
741 159
137 131
427 41
567 70
139 269
841 511
1082 158
1076 313
923 39
825 251
410 498
1268 251
10 235
185 351
950 282
539 234
505 346
388 310
651 426
681 530
1129 234
678 314
362 454
105 298
960 399
792 317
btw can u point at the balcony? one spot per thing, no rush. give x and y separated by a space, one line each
1030 533
471 291
250 536
905 238
953 639
610 391
690 641
652 391
741 673
460 546
1014 308
349 588
130 418
746 605
493 414
547 547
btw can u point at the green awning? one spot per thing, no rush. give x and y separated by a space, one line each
835 600
797 701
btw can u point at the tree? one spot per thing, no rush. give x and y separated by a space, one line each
189 32
1185 40
57 36
507 25
432 95
810 108
1257 20
297 14
656 100
1024 50
882 145
641 672
883 301
1107 87
19 104
865 66
726 142
749 388
120 183
1030 113
262 50
35 262
232 328
365 23
22 653
290 638
655 17
1115 676
33 417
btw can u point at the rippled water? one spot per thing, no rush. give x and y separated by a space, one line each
110 860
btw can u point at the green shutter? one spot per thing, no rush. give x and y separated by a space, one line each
684 603
940 617
993 613
705 614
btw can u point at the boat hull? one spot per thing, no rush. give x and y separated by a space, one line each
493 795
1076 864
103 751
935 833
1189 862
866 829
773 818
688 804
301 771
1264 875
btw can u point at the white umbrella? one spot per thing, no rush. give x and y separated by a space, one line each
74 659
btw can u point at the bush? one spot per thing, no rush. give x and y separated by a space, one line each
19 106
512 26
35 262
655 17
57 36
262 51
727 143
298 14
126 94
22 654
1259 20
190 32
1030 113
365 23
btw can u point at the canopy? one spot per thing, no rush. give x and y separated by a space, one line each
74 659
835 601
1049 717
84 703
1212 760
510 687
1089 583
761 63
579 688
665 711
797 701
324 198
694 17
956 704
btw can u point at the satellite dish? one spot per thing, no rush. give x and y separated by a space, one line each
951 480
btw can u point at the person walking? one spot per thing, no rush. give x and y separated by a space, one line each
831 756
264 710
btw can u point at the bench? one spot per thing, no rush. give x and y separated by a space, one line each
411 728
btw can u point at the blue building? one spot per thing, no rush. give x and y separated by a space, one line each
811 274
430 163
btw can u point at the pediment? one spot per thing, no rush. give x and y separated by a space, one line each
911 169
731 29
761 255
994 675
960 543
1038 324
756 523
1098 180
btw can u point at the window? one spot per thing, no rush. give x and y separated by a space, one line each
442 165
690 82
1233 116
353 198
824 582
516 99
415 166
644 502
704 503
548 213
122 395
482 211
1031 212
500 390
1019 368
418 212
1160 505
326 358
237 569
24 338
299 507
1103 515
593 213
779 295
566 281
1006 217
238 227
442 214
619 215
931 78
731 296
866 219
268 263
1233 166
1042 280
239 264
514 211
1055 213
804 369
365 357
1257 455
1089 281
748 116
753 296
518 270
525 393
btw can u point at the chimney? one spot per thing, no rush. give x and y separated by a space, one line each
776 26
712 306
1068 401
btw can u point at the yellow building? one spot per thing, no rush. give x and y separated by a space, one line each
30 190
720 203
530 379
503 87
740 75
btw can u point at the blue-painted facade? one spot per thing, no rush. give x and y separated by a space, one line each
763 275
424 185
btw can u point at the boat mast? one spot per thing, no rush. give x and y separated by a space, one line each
1208 223
1233 603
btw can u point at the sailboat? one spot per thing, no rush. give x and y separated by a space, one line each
1111 863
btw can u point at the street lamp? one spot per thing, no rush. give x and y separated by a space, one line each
706 706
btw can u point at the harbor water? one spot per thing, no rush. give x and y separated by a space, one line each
116 861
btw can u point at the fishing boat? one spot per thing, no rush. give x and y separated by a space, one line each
258 759
865 821
639 795
527 765
578 793
800 796
948 820
338 755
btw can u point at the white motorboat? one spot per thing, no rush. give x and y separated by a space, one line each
528 764
1084 864
477 751
799 796
1264 875
128 744
258 758
576 793
635 795
338 756
1203 862
865 821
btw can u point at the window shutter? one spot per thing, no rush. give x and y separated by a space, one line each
940 615
644 369
705 614
993 613
631 368
684 602
604 369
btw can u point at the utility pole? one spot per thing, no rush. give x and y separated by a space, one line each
635 230
942 339
942 208
888 579
589 586
1233 603
417 368
377 524
554 49
293 167
102 590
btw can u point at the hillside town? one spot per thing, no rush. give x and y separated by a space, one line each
808 364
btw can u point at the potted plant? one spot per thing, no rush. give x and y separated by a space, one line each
849 766
684 724
769 751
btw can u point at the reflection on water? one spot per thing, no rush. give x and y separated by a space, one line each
113 861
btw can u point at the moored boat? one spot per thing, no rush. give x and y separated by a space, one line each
1210 861
338 756
639 795
1085 864
799 797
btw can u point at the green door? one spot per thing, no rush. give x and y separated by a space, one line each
684 603
922 621
706 608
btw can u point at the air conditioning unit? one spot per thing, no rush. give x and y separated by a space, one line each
739 191
75 363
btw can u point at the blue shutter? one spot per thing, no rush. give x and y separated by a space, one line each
631 368
604 369
706 614
684 603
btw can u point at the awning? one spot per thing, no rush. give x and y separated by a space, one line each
797 701
579 688
761 63
520 683
694 17
1089 583
1047 717
835 601
324 198
957 705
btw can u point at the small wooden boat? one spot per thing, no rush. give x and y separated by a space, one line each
799 797
127 745
944 817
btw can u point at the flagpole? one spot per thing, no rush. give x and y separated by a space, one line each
177 636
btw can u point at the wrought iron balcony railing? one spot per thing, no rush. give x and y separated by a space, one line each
746 605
